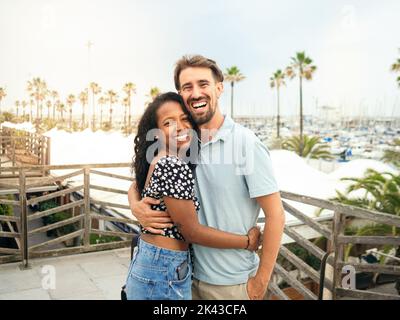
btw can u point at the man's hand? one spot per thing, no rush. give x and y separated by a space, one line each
152 220
256 288
254 238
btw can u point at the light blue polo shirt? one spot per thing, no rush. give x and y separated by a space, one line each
234 168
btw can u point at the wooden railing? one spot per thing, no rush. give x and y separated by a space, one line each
334 234
19 147
86 209
83 212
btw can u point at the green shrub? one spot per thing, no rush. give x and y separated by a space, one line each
303 254
6 116
56 217
95 239
7 209
106 126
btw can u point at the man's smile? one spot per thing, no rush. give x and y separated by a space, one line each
198 105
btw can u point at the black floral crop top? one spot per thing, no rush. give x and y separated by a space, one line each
171 178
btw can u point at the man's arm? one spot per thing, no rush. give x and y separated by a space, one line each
153 220
273 230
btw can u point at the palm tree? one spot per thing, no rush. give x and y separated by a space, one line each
153 93
102 101
112 98
130 89
24 104
302 67
48 105
3 94
233 75
60 108
276 81
125 104
381 193
31 102
54 94
95 89
396 68
393 155
70 101
37 89
83 98
307 147
17 104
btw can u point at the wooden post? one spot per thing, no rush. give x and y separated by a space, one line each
1 148
1 143
47 161
26 142
24 220
338 220
86 194
13 152
30 144
42 155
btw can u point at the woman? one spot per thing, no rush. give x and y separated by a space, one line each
161 268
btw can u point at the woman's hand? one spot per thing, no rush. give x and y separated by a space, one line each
254 238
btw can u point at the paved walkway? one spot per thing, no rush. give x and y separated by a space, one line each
90 276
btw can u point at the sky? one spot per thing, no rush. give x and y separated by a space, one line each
353 44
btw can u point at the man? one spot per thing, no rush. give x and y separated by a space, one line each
234 180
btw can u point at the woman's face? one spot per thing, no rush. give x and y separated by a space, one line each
175 126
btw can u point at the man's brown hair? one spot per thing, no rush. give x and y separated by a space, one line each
199 62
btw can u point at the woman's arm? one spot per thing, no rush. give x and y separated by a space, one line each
153 220
184 216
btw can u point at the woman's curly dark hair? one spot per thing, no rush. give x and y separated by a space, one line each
148 121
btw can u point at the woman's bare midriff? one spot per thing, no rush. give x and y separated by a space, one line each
164 242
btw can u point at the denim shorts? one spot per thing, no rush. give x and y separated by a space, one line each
154 274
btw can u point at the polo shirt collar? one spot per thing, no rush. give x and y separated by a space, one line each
224 131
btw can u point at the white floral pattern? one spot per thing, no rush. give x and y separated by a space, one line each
171 178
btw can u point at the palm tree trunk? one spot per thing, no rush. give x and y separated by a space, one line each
101 116
110 114
83 116
301 107
129 114
94 117
70 118
54 109
37 109
278 121
301 116
232 84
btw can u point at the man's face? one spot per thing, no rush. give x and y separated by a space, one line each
200 92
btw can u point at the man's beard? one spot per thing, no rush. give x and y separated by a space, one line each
204 118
